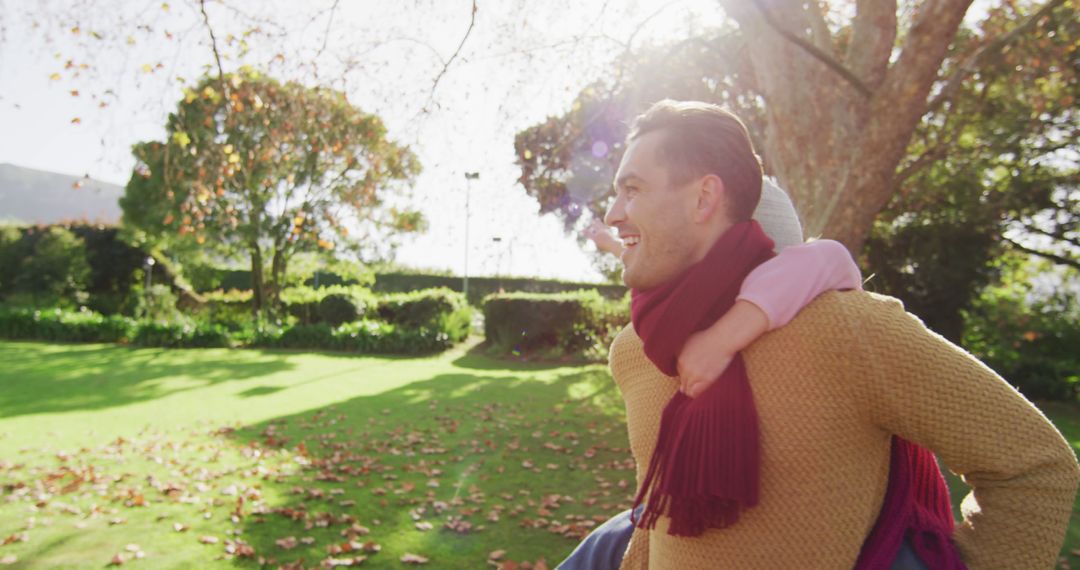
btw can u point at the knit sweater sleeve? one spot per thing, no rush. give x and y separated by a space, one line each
785 284
1022 472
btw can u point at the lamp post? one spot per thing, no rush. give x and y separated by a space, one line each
469 177
148 269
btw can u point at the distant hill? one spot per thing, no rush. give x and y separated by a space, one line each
40 197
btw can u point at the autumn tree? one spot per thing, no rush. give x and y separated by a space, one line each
990 174
254 166
835 100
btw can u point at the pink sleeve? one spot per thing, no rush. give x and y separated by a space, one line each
785 284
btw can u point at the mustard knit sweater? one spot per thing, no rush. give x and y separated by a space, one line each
831 388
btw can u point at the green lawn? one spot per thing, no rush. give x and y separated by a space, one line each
281 456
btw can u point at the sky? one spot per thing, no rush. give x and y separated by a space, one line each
521 63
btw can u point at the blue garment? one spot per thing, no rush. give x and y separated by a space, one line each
603 549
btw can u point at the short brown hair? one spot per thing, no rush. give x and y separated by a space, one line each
701 139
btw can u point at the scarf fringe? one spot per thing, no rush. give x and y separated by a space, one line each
705 469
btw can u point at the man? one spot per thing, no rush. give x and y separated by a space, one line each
845 399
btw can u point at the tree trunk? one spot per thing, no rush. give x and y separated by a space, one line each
839 125
257 287
277 277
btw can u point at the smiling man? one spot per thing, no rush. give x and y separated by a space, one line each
813 449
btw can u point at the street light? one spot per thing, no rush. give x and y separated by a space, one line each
469 177
148 268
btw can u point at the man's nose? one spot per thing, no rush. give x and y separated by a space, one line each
616 212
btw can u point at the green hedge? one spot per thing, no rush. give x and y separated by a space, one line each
414 323
364 336
405 282
57 325
574 324
439 309
481 287
181 335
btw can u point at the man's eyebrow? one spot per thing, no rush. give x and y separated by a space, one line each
622 180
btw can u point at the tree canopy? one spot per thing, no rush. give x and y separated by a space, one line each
255 166
834 101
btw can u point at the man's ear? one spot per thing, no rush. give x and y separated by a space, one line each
710 198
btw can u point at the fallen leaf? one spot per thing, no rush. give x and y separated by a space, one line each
17 537
208 539
9 559
117 560
287 543
409 558
496 554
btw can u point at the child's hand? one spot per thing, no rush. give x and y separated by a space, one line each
707 353
701 362
601 236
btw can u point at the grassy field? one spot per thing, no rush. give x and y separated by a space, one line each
194 458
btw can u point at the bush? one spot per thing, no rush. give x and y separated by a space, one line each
305 303
1033 345
440 309
230 309
68 265
13 248
363 336
576 324
481 287
57 271
157 304
56 325
180 335
338 308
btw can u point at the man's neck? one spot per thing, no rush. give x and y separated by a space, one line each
710 235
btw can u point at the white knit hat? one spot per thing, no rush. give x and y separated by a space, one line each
777 216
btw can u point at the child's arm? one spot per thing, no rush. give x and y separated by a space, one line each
771 295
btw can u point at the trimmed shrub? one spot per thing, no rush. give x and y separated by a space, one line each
481 287
576 324
338 308
306 303
57 325
363 336
437 309
180 335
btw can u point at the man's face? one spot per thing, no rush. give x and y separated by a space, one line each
653 218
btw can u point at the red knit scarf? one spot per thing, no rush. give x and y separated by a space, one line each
705 468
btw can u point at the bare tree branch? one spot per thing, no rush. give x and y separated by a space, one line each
1059 235
1060 260
453 56
329 24
813 50
991 48
213 45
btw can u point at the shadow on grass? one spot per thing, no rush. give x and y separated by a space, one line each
480 357
474 443
42 378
